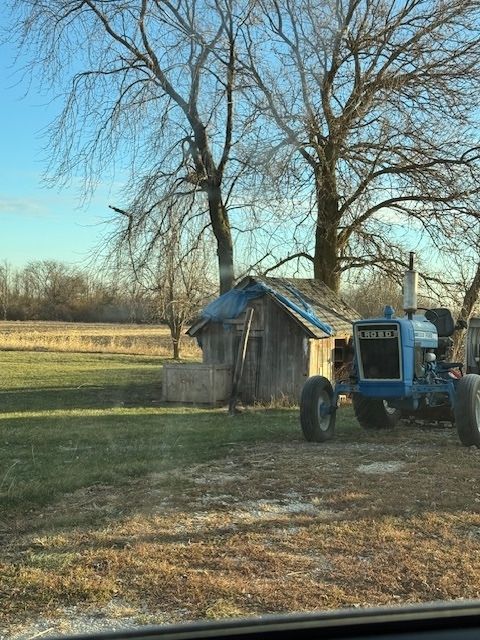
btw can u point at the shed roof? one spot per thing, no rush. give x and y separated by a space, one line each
326 305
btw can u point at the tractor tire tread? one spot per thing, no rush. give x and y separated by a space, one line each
466 398
372 415
309 409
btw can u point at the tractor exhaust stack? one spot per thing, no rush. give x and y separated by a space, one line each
410 287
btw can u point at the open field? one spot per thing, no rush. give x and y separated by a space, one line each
117 511
81 337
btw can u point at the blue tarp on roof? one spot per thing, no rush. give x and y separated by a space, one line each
235 301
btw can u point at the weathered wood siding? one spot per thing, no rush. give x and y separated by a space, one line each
284 363
196 383
216 342
275 362
280 355
255 355
321 357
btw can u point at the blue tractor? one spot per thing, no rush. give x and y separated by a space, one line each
400 367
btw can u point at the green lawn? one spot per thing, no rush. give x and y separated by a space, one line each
72 420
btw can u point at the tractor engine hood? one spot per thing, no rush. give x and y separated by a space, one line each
385 352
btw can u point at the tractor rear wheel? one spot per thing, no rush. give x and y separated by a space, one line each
317 412
467 409
374 414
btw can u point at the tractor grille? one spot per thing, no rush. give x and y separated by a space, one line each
378 351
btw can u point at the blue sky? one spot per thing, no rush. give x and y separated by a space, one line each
37 222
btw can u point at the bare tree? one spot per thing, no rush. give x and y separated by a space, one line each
6 282
175 272
147 80
371 293
462 298
52 290
183 285
373 290
373 107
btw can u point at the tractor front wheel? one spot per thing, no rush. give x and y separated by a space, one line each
467 409
374 414
317 411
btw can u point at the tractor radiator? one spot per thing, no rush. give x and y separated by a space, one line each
378 351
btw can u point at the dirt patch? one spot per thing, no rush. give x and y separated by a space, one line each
271 527
381 467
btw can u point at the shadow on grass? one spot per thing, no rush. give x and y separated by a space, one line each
82 397
45 458
191 535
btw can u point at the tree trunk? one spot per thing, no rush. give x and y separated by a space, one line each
469 301
206 168
325 258
176 349
223 236
176 333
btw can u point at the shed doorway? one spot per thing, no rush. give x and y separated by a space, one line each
250 385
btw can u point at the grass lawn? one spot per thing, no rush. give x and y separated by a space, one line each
118 511
72 420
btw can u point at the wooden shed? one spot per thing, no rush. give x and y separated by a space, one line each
300 328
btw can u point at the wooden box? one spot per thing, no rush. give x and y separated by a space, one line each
195 383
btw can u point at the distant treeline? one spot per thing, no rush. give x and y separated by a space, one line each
51 290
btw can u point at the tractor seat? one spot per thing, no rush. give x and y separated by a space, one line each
443 321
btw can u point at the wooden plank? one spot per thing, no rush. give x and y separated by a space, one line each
242 350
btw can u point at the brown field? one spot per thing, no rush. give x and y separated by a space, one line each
151 340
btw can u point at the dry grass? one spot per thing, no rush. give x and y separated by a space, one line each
92 338
369 519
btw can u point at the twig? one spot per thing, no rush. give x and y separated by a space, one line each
7 472
41 633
